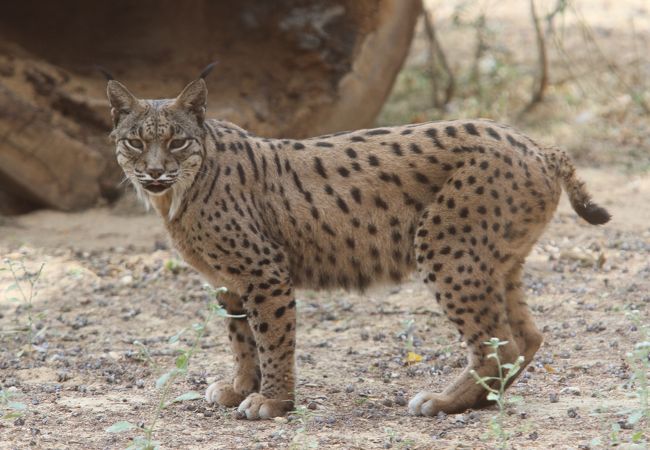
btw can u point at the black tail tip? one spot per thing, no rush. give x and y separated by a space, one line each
594 214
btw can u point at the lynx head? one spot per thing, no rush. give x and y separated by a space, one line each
159 143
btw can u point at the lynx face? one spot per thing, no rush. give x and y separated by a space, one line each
159 142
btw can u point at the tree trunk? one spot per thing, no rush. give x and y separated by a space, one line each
288 68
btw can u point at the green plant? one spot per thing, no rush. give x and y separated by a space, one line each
638 418
408 328
498 394
173 265
165 381
301 440
24 289
144 355
639 359
9 407
397 440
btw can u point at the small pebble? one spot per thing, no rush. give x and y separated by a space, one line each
400 400
596 327
572 412
387 402
625 425
63 375
554 397
571 390
312 406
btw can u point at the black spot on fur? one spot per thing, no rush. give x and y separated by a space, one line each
356 194
471 129
242 176
377 132
493 134
320 169
380 203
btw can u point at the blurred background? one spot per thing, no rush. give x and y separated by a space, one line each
572 72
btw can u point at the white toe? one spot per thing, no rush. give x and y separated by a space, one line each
415 405
211 393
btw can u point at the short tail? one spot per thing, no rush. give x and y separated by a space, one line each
576 190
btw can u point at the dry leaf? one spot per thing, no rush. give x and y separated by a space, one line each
412 358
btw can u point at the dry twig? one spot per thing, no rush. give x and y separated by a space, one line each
439 65
542 81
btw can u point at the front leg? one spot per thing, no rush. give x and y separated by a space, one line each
242 343
272 315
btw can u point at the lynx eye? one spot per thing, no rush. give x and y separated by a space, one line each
178 144
135 144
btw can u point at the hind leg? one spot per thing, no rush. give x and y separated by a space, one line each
528 337
474 300
524 330
247 371
458 258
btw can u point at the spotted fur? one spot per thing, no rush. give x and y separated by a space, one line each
459 202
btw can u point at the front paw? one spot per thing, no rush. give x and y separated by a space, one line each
257 406
426 404
222 392
231 394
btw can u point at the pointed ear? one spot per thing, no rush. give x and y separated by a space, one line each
121 100
194 99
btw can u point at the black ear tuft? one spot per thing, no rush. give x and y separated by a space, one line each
104 72
205 72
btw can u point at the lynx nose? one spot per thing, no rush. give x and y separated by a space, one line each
155 173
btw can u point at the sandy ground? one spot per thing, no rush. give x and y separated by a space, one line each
105 285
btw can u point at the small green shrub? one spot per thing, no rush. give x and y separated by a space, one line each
165 382
498 394
10 408
23 290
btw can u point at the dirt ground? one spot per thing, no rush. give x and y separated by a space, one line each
107 282
110 279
